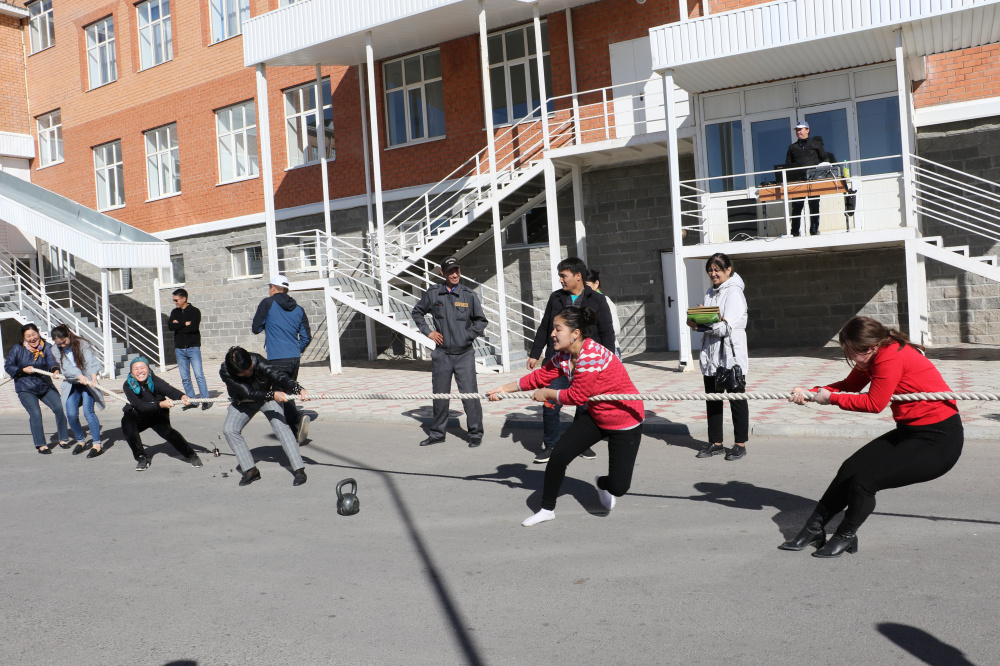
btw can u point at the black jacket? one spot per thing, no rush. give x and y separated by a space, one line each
805 153
261 384
605 333
148 403
185 337
458 316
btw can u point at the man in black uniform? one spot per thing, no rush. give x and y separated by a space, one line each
806 151
458 320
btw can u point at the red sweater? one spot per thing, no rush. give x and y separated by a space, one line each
893 371
597 371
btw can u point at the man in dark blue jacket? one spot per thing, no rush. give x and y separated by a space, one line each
286 336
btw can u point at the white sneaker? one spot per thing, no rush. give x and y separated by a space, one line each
539 517
607 499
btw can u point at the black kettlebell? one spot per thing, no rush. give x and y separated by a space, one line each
348 504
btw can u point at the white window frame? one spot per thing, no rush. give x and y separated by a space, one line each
163 162
299 256
300 145
522 224
530 67
101 54
62 263
243 264
405 89
41 26
113 173
238 144
50 139
117 279
237 11
170 272
151 51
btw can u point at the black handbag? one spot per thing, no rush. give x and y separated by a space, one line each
730 379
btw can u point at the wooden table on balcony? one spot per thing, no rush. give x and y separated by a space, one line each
802 189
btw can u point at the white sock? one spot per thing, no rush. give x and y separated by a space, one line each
539 517
607 499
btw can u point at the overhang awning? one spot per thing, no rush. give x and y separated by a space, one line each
93 237
790 38
332 32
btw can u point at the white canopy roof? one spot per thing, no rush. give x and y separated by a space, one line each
790 38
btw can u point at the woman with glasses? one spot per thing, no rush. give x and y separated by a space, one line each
925 444
80 367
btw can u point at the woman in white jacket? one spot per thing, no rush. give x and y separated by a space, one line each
724 346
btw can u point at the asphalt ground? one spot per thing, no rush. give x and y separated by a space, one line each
101 564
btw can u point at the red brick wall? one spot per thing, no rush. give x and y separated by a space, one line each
960 76
719 6
13 97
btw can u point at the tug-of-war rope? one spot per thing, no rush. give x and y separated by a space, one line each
526 395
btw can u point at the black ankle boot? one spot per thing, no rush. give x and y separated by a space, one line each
837 544
812 534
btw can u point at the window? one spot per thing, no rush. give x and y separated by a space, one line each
414 98
173 275
878 135
248 261
163 163
769 140
61 264
300 124
724 145
101 60
155 37
110 178
41 25
832 126
296 255
227 18
119 280
50 141
514 73
531 229
236 127
285 3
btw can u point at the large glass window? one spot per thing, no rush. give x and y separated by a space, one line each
155 36
50 141
227 18
301 130
414 97
724 144
831 126
236 127
110 175
769 141
878 135
163 162
101 60
514 73
40 25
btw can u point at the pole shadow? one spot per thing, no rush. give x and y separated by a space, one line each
519 475
922 645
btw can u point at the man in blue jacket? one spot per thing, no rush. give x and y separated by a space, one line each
286 336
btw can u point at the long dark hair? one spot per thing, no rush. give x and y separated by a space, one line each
719 259
63 331
578 318
860 334
238 360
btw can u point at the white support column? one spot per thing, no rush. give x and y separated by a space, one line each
581 227
333 332
321 136
905 131
109 360
368 168
484 62
377 169
683 6
552 220
159 324
267 176
572 76
540 62
370 339
674 176
916 295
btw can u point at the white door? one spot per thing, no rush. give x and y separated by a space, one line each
637 92
697 283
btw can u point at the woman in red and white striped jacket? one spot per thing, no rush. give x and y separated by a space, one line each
591 370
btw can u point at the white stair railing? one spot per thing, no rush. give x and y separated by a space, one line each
955 198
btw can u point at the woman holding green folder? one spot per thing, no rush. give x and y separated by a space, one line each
724 346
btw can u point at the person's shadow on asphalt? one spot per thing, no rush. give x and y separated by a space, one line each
792 509
519 475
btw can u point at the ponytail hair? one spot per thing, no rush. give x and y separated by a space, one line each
238 360
860 334
62 331
578 318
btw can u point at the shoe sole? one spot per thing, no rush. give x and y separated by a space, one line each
303 433
433 442
710 455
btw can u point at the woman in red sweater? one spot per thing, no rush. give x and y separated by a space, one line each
591 370
926 443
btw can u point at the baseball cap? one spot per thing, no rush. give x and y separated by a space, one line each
449 263
802 125
279 281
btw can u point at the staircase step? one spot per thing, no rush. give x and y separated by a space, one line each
934 240
959 249
990 259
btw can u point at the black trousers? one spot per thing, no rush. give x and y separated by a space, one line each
134 423
714 409
900 457
290 366
583 433
463 368
796 214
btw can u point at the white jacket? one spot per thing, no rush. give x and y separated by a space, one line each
725 342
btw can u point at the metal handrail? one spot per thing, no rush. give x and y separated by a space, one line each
947 200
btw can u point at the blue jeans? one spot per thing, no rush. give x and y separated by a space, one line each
550 415
79 394
192 356
52 401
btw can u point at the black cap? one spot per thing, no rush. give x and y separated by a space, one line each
449 263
